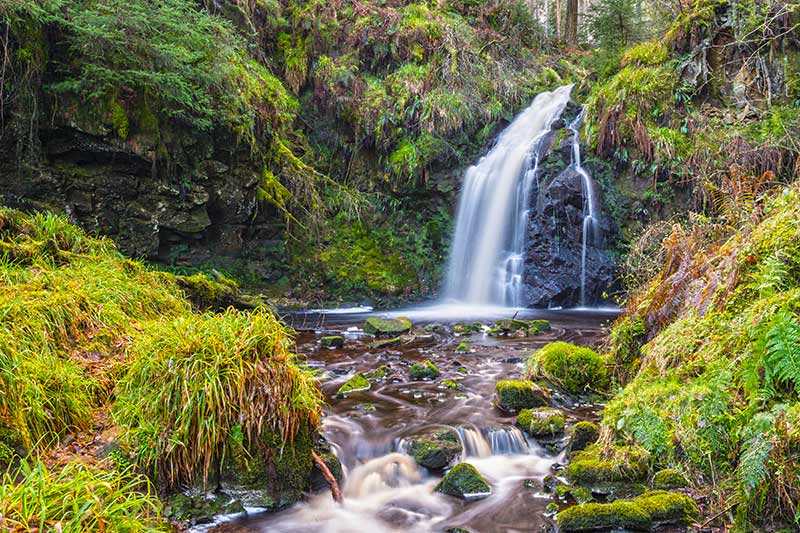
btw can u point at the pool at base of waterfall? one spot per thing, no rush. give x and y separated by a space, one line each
372 431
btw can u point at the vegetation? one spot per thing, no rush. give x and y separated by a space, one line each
576 369
465 482
423 370
516 394
639 513
541 422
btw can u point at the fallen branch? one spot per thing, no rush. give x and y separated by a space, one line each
336 492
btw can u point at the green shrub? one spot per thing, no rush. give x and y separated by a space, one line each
191 379
576 369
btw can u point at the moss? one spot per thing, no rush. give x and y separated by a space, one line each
424 370
451 384
668 507
516 327
463 347
627 338
217 294
332 341
379 344
465 482
574 368
119 119
584 433
199 509
617 464
589 516
541 422
382 372
463 329
669 478
356 383
646 54
538 326
387 326
516 394
435 451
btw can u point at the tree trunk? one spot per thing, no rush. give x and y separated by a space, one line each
557 10
571 23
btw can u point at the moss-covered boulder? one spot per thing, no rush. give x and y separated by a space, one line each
423 370
387 327
541 422
435 451
617 464
669 478
467 328
355 384
332 341
380 344
583 434
513 326
516 394
463 347
465 482
576 369
640 513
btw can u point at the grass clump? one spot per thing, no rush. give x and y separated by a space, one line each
576 369
194 378
77 498
516 394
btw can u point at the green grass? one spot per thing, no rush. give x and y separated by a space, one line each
191 379
77 498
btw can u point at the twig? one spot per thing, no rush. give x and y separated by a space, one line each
336 492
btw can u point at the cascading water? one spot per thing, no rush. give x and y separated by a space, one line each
589 233
486 261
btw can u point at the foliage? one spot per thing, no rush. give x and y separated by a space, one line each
77 498
191 379
615 23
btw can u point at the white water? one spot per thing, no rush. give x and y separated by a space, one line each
487 256
589 233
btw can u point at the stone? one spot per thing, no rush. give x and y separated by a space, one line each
387 327
436 451
541 422
465 482
332 341
356 383
516 394
424 370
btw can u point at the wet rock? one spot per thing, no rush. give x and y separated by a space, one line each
385 343
583 434
465 482
387 327
451 384
616 464
516 394
437 450
463 347
466 328
669 478
200 508
640 513
378 374
541 422
519 328
355 384
332 341
439 329
424 370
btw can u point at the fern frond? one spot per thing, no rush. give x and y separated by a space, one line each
752 469
782 361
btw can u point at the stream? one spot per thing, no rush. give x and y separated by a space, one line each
384 489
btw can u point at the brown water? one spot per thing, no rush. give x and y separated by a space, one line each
384 489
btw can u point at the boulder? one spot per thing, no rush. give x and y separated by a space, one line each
516 394
541 422
640 513
424 370
437 450
332 341
465 482
387 327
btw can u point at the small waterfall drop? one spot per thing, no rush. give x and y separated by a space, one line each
487 257
492 441
590 231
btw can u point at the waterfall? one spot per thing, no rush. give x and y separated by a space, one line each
492 441
590 231
487 257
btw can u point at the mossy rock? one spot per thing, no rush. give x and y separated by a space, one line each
332 341
669 478
615 465
465 482
387 327
436 451
355 384
451 384
541 422
385 343
538 326
463 347
464 328
516 394
513 326
200 509
577 493
214 294
584 433
424 370
382 372
621 514
576 369
318 483
640 513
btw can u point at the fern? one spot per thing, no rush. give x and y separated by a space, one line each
752 470
782 361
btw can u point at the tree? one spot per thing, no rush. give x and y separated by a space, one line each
616 23
571 23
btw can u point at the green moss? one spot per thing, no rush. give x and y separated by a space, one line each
617 464
646 54
355 384
668 507
627 338
451 384
206 293
463 347
541 422
465 482
387 326
618 514
574 368
584 433
119 119
424 370
382 372
332 341
435 451
669 478
199 509
379 344
516 394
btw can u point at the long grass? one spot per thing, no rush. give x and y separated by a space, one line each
75 499
194 378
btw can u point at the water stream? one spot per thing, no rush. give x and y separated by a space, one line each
384 489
